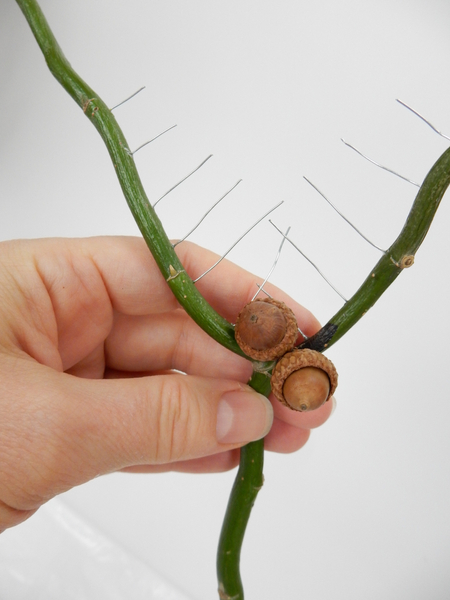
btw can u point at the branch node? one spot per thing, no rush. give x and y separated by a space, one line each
174 273
86 104
405 262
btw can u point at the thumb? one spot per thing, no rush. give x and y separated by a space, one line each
59 431
167 418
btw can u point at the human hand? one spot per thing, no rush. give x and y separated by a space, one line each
91 342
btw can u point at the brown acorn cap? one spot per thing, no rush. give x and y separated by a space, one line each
265 329
299 359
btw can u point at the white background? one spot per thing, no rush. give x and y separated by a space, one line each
269 88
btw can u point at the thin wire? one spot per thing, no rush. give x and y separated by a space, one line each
272 267
184 179
150 141
310 261
237 241
129 98
378 164
344 217
423 119
206 214
264 291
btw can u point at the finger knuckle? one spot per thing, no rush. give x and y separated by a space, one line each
175 421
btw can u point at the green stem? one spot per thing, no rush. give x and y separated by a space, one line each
249 480
399 256
146 218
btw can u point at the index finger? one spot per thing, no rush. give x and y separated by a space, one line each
136 286
228 287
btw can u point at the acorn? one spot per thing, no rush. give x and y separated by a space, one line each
304 379
266 329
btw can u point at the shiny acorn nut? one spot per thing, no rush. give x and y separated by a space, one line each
266 329
304 379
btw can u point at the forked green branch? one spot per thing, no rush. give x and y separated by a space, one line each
400 255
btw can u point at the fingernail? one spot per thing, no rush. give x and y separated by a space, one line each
243 416
333 408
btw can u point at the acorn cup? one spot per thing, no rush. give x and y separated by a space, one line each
304 379
266 329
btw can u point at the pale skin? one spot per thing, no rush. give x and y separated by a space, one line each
91 345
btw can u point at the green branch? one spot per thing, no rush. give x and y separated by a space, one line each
249 480
146 218
398 257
